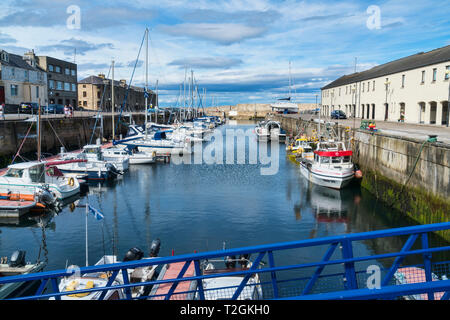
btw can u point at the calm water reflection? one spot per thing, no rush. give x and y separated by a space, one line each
199 207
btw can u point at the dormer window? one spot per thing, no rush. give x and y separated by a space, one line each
4 56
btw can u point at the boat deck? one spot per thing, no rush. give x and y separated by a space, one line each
171 272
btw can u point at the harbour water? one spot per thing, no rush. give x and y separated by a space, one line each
201 207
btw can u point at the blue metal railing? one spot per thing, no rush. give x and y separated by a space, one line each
304 280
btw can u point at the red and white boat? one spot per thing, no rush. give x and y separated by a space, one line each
331 167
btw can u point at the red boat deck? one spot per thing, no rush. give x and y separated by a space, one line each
172 273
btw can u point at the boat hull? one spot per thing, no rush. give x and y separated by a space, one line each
325 180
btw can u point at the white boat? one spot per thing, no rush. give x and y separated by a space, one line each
94 152
153 141
17 266
331 167
28 178
224 287
270 131
100 279
134 156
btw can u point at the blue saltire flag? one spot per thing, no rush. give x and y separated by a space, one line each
97 214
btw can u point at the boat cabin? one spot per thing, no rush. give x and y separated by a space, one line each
93 152
28 172
333 153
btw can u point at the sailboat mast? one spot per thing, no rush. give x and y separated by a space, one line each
146 80
112 100
289 80
39 132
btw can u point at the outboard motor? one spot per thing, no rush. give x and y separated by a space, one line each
243 260
230 262
17 259
113 169
154 248
133 254
47 198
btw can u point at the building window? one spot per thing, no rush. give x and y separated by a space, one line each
84 103
66 86
51 84
51 68
74 87
13 72
14 90
368 86
423 76
57 69
364 85
37 92
26 74
59 85
434 74
447 73
67 71
73 72
84 86
403 81
84 94
373 87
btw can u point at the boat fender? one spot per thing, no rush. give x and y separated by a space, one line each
71 182
230 262
133 254
358 172
154 248
154 154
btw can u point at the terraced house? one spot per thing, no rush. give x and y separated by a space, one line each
414 89
21 80
62 80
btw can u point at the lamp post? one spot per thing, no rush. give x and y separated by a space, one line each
386 83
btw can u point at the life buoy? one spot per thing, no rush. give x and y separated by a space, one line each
71 182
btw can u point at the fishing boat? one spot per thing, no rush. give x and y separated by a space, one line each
270 130
100 279
28 178
331 166
302 149
17 265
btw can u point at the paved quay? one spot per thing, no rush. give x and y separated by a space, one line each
405 130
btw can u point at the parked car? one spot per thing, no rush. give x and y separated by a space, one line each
55 108
338 114
29 107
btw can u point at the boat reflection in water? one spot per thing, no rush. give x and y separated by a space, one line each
331 208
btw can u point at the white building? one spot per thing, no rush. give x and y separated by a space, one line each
415 89
21 79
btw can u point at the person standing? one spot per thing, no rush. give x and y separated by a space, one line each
2 111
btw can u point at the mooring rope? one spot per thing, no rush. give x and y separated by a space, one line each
23 142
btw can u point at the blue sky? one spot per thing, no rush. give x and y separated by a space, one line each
239 50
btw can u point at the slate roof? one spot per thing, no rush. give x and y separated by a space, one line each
99 81
18 62
418 60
